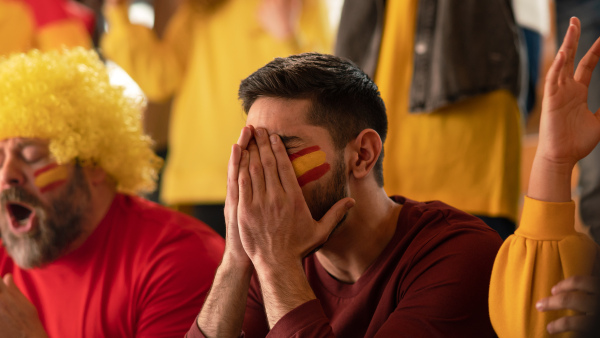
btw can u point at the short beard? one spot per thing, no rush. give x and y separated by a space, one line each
323 197
58 225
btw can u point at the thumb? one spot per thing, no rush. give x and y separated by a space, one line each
335 215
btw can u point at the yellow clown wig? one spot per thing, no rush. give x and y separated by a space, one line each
65 97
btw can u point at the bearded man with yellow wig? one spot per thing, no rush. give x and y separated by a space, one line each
82 256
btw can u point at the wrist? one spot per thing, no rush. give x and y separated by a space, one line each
550 180
270 268
238 262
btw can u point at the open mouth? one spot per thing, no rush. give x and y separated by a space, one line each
20 215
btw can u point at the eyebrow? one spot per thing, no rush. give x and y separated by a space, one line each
289 139
28 143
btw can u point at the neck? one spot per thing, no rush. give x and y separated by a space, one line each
369 227
101 198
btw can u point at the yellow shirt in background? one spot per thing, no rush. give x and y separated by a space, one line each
202 59
466 154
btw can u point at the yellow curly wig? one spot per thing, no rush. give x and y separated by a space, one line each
65 97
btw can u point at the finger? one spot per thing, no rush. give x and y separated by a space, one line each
577 301
577 283
334 216
569 323
586 66
231 200
256 170
245 137
244 181
269 163
284 165
569 46
553 74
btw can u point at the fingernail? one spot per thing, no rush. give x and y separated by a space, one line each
349 204
244 153
260 131
273 139
553 290
539 305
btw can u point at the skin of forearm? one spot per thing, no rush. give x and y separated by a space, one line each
223 312
550 181
284 288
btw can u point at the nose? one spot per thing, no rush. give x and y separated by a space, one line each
10 173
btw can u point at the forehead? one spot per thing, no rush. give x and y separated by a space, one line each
276 113
287 118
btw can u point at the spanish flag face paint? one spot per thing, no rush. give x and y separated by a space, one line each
50 177
309 164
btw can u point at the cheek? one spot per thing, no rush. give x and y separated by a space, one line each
50 177
309 164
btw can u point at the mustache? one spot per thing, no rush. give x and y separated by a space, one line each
19 194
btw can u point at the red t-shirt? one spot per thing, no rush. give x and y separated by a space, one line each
144 271
431 280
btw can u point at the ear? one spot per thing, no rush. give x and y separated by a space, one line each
365 150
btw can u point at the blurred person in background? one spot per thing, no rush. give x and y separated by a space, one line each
81 255
545 277
533 18
209 46
44 25
448 72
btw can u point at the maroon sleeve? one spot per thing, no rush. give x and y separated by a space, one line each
307 320
194 331
445 292
255 319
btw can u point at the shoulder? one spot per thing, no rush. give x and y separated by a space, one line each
157 227
434 225
430 215
164 247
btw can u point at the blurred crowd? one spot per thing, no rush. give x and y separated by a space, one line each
462 81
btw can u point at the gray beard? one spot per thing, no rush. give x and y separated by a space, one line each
58 224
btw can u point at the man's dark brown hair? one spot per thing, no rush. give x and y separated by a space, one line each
345 101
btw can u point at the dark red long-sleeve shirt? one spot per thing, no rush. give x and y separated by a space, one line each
431 280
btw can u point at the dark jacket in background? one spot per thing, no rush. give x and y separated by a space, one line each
462 48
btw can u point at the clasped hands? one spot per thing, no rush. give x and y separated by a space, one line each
268 220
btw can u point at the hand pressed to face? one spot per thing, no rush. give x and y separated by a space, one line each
18 317
233 247
275 222
578 293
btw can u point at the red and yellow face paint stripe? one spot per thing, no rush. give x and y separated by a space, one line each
50 177
309 164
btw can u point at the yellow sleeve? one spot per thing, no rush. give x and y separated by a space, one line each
158 66
15 14
65 33
544 250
